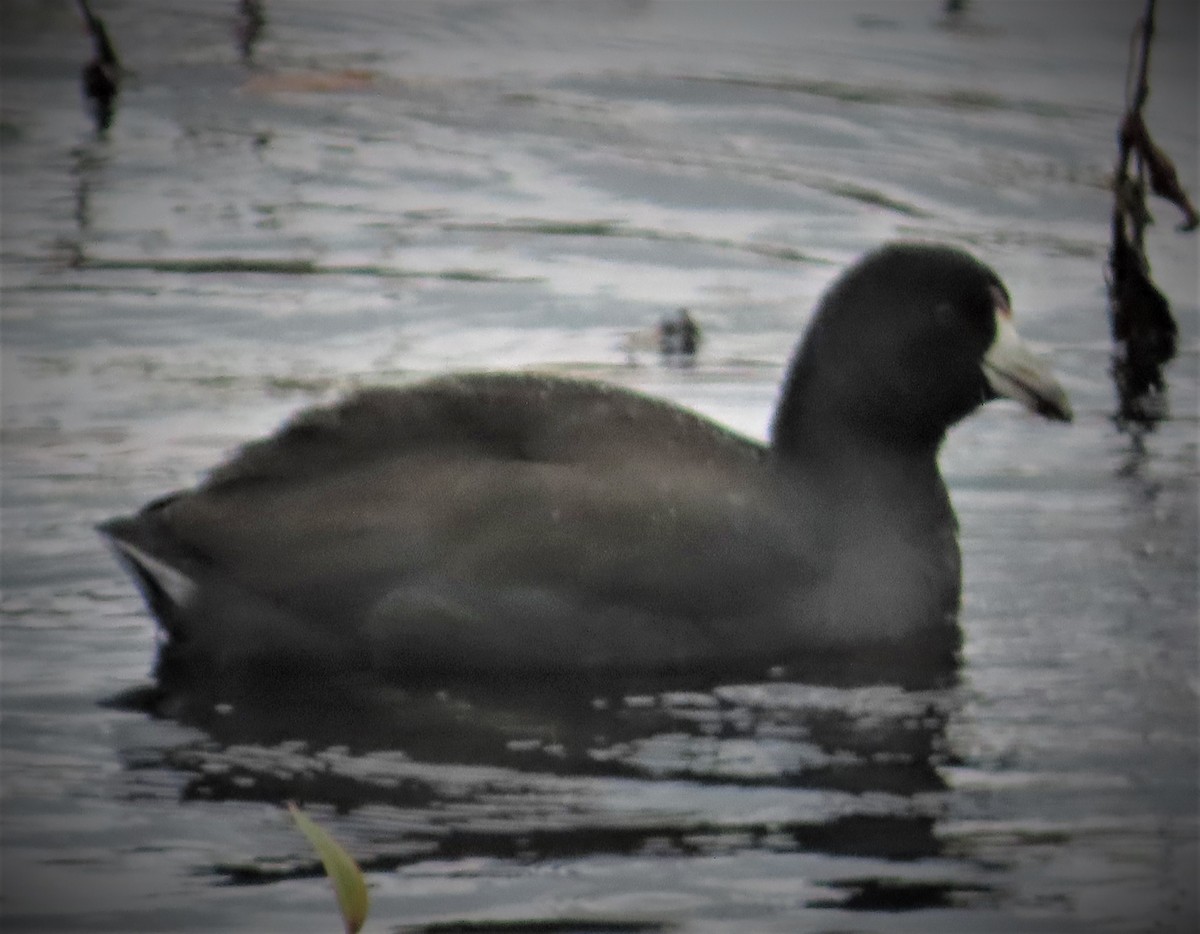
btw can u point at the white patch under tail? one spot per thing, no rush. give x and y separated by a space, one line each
177 586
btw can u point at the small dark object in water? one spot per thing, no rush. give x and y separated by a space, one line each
495 524
956 17
248 27
679 337
102 74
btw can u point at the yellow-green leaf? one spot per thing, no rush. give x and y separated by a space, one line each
343 872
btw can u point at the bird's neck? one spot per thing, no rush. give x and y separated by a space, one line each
885 534
894 483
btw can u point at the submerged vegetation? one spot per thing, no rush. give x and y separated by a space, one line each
1143 329
348 882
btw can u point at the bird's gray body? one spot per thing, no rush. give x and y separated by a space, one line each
503 523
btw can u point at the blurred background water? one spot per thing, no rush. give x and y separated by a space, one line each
391 190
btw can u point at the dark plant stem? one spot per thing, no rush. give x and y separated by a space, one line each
1143 329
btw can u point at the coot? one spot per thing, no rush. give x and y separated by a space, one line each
507 525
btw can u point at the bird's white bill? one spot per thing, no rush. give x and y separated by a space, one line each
1014 371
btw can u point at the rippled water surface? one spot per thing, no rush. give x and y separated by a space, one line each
398 189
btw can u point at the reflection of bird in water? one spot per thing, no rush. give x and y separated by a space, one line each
678 337
101 75
248 28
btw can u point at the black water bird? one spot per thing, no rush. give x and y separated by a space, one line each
508 524
101 76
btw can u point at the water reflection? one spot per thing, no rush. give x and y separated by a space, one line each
496 772
88 163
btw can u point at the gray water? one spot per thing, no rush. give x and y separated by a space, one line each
399 189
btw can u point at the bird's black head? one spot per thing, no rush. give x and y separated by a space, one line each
905 343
